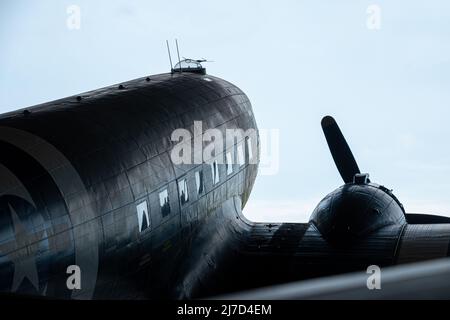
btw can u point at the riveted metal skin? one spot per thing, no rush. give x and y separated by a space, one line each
74 173
355 211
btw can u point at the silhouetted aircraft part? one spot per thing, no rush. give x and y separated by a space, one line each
419 218
424 280
92 183
101 166
342 155
354 211
190 65
357 209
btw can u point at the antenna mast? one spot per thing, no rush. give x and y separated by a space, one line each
178 52
170 57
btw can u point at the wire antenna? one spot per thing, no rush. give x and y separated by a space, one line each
178 52
170 56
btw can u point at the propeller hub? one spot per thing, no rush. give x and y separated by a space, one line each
361 178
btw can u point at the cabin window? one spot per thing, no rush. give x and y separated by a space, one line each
183 190
215 172
240 154
250 149
164 202
199 181
143 216
229 163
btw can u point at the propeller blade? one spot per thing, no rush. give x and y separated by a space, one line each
342 155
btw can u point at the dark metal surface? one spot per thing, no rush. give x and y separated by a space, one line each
355 211
117 140
416 218
425 280
75 172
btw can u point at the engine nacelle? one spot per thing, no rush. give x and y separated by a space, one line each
356 210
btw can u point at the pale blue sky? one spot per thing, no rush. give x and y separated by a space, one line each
296 60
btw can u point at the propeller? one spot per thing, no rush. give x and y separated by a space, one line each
342 155
348 168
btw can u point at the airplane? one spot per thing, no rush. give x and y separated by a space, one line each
88 187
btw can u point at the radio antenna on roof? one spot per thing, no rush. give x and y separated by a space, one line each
170 57
178 52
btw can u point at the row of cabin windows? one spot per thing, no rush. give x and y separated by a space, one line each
199 178
142 209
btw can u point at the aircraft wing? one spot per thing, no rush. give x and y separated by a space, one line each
420 218
425 280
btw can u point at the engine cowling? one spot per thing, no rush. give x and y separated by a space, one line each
356 210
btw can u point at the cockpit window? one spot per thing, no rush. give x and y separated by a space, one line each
249 149
229 163
240 154
199 181
215 172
